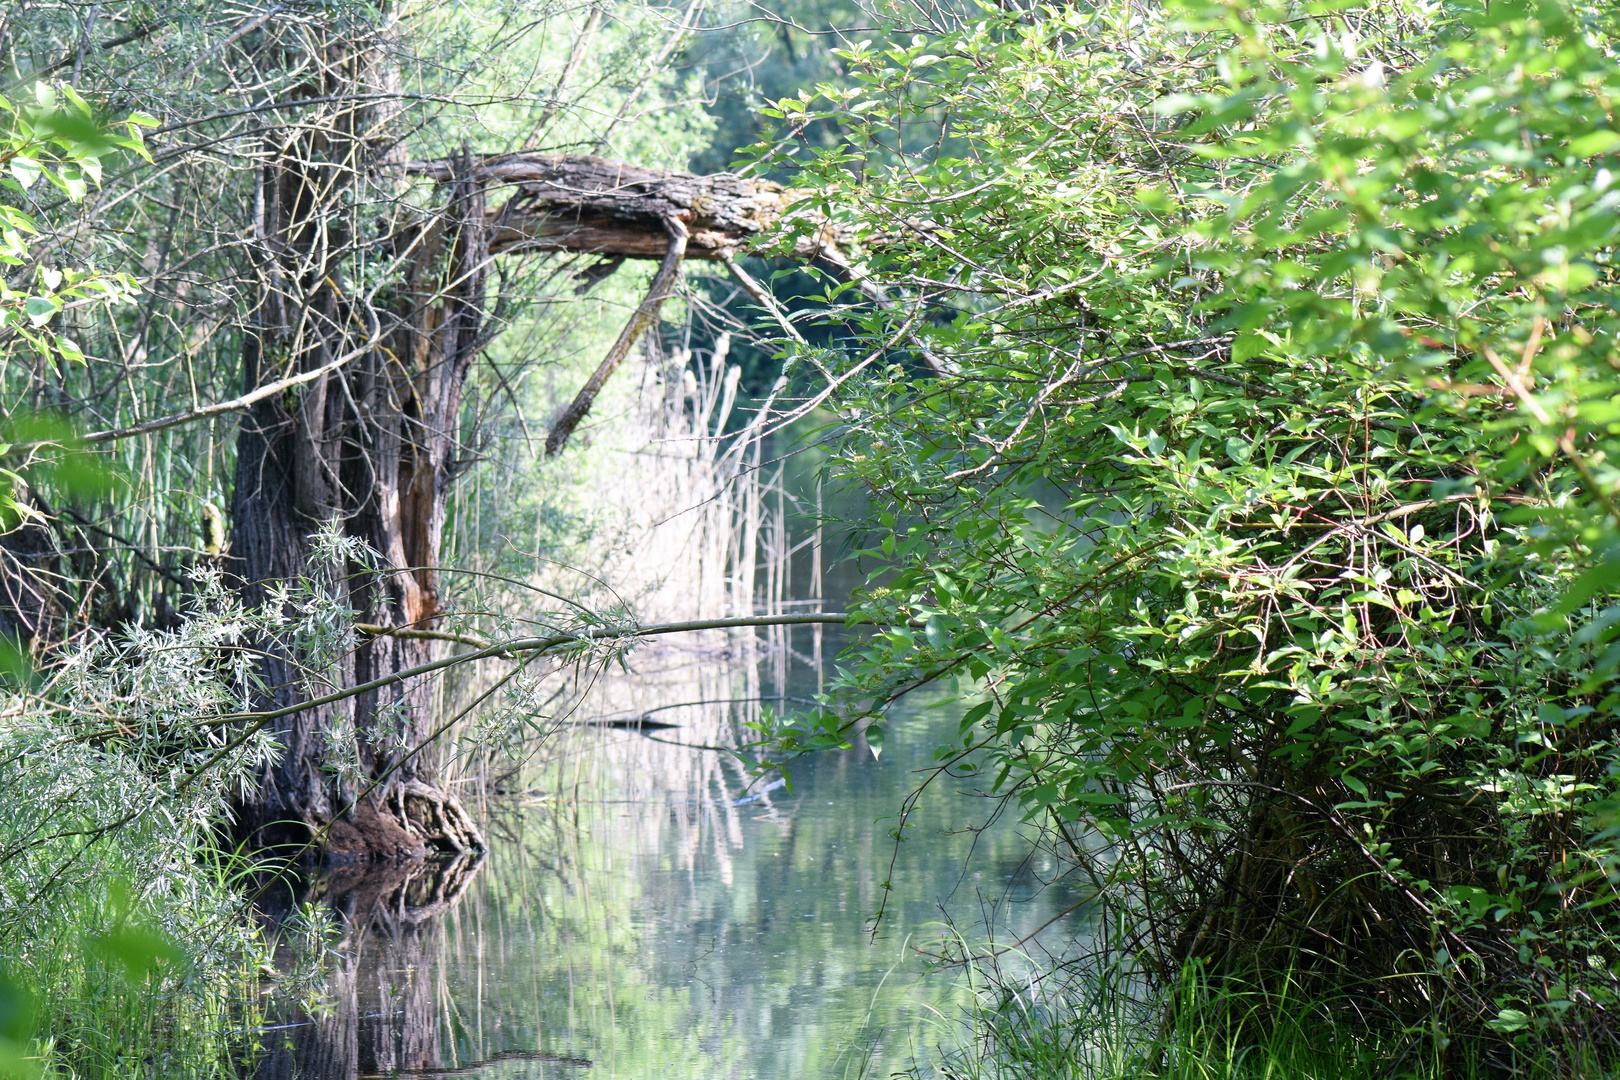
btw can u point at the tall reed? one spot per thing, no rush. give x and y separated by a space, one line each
674 514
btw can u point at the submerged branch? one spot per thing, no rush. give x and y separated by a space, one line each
531 646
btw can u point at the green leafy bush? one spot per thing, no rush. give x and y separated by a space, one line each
60 144
121 916
1261 487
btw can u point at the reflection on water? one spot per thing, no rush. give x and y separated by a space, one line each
380 1015
646 913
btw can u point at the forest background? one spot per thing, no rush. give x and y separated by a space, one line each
1231 385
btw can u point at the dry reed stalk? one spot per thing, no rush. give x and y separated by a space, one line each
698 532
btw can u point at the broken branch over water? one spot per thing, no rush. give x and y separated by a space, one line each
593 206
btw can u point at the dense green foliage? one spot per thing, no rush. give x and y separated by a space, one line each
57 143
121 913
1265 499
1101 1028
1233 384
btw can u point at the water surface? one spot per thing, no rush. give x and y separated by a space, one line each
649 914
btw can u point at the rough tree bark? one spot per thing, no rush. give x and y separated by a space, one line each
591 205
618 211
646 315
382 1016
369 446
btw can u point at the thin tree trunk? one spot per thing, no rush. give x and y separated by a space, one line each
645 316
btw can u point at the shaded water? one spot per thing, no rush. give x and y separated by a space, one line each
647 914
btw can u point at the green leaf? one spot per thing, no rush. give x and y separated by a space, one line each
1175 104
41 309
1248 346
16 1031
71 183
137 950
16 667
77 101
972 717
1598 579
1509 1021
1597 142
25 169
874 738
79 474
16 1011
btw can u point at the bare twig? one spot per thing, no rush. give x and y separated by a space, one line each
761 296
147 427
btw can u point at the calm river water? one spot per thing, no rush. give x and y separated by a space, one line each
645 914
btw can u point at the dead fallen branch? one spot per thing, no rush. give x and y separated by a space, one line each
593 206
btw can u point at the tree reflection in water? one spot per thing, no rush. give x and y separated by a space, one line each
378 1018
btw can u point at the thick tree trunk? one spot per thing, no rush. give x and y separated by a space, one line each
382 1018
368 448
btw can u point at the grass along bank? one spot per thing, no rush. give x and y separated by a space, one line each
1073 1025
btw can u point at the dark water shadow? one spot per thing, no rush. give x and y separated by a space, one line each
379 1013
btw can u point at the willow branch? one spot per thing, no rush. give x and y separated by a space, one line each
374 630
95 438
542 645
142 31
761 296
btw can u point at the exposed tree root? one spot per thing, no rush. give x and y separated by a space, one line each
438 817
366 835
